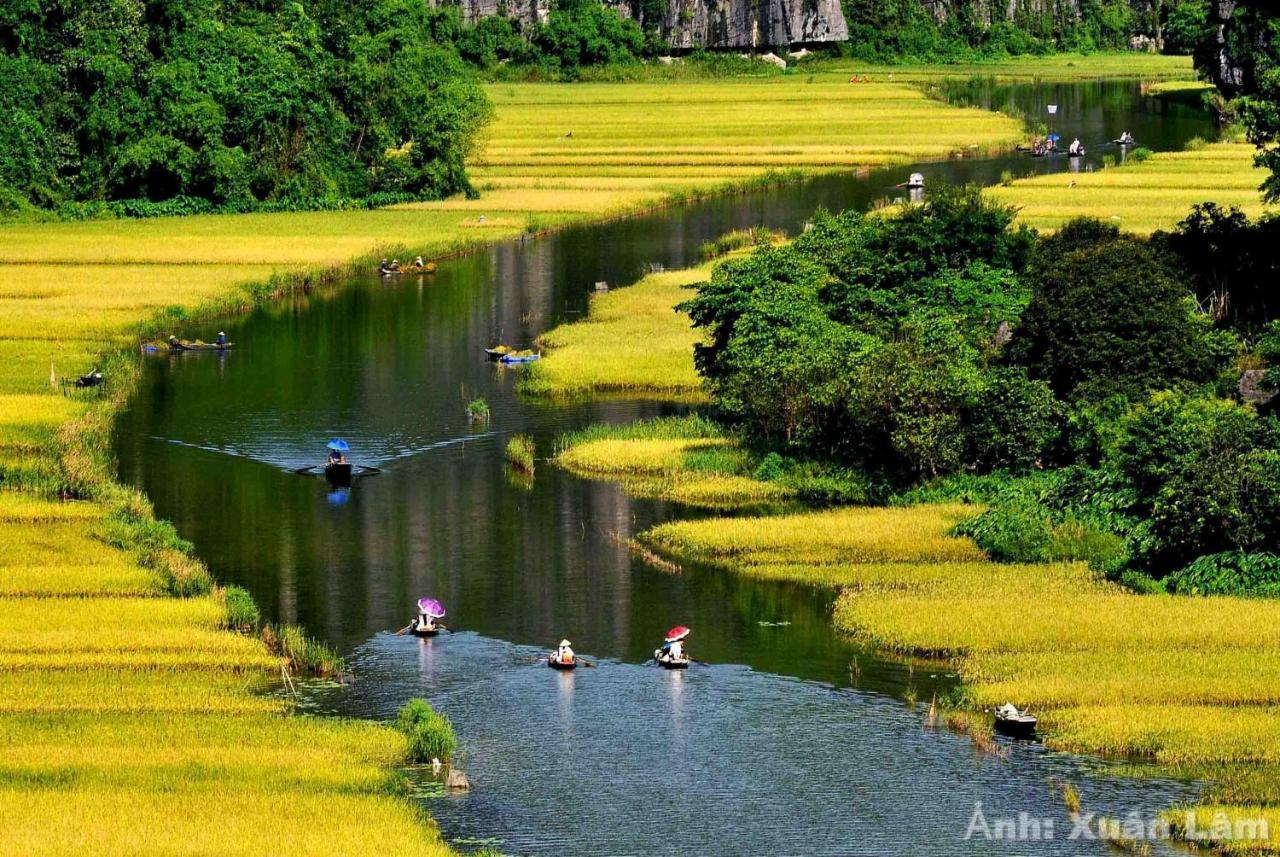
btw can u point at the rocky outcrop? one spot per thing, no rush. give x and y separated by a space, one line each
688 24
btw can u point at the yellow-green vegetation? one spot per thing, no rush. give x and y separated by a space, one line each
688 460
632 341
133 724
611 146
1190 682
1064 67
1142 196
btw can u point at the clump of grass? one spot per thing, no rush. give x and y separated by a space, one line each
478 410
520 453
736 240
1070 797
242 612
301 653
430 734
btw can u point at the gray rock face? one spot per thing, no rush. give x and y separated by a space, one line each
688 24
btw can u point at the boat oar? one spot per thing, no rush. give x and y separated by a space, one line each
585 663
405 628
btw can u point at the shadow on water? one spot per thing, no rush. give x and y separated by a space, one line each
794 743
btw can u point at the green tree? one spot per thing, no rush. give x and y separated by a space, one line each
1107 315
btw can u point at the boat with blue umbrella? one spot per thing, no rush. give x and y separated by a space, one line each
337 469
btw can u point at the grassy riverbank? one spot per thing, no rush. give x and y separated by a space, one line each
1186 681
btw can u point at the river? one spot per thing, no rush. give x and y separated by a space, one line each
793 740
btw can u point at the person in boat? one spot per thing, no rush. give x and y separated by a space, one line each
1126 139
384 266
424 622
1075 148
173 341
564 654
419 264
337 457
673 650
222 339
395 266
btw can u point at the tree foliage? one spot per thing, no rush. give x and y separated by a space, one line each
234 101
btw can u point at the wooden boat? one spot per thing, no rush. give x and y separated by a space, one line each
184 345
1125 142
515 358
496 352
667 662
557 664
1014 723
93 379
1079 154
419 631
338 474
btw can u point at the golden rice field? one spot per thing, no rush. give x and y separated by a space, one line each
1190 682
133 724
1141 197
632 341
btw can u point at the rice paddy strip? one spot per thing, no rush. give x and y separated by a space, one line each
1141 197
1192 682
632 341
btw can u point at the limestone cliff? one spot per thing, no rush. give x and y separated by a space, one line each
724 24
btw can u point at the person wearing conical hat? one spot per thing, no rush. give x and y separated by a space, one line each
564 654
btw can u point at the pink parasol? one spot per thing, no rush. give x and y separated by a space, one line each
431 607
679 632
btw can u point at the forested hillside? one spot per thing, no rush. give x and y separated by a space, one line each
230 103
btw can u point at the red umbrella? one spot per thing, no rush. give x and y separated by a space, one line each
679 632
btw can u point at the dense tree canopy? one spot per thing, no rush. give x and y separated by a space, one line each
233 101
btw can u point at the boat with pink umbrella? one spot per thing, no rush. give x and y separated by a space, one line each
427 623
672 654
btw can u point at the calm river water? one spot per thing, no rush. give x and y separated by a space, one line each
795 742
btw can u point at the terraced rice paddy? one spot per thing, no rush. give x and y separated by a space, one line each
1190 682
1141 197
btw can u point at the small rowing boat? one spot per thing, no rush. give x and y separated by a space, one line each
518 357
423 631
671 662
158 347
557 664
338 473
1014 723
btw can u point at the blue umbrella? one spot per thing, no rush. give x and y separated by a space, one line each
1054 137
339 445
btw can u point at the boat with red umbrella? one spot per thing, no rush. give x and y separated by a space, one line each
672 654
427 624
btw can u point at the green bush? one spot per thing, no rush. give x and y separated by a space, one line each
771 468
429 732
1229 573
1014 532
242 613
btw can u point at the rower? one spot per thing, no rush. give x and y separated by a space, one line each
1126 139
395 266
1075 146
173 341
337 457
564 654
384 266
424 622
419 264
222 339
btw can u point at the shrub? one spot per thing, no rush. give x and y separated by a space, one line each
429 732
771 468
242 612
1229 573
478 410
1013 532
